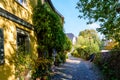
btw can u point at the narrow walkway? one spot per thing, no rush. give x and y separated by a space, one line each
76 69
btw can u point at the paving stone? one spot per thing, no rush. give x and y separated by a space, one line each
76 69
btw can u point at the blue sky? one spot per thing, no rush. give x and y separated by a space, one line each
72 24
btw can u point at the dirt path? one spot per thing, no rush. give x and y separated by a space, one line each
76 69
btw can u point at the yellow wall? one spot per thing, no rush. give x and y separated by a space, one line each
14 7
7 70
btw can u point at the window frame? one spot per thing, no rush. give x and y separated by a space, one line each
2 49
25 36
23 3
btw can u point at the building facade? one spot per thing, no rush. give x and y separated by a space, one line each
16 29
72 37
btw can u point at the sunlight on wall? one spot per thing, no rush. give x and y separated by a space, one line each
7 70
15 8
1 22
33 43
1 5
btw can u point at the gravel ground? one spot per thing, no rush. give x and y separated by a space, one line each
76 69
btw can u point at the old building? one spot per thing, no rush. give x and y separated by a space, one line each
72 37
16 29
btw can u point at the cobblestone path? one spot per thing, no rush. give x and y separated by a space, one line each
76 69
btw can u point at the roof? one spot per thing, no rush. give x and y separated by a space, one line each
70 35
55 10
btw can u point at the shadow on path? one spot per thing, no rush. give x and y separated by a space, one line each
76 69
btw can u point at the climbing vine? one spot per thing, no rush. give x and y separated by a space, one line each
50 36
49 29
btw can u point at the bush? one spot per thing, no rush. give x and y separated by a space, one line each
42 68
113 66
75 53
110 66
23 63
60 58
58 61
81 53
98 58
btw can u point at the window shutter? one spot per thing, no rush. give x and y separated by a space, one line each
1 47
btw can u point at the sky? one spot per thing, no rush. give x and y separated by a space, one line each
72 24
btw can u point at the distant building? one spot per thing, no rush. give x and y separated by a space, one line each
72 37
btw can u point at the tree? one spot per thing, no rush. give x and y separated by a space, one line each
90 34
68 44
110 45
104 11
87 43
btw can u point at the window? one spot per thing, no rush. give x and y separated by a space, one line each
22 2
23 40
1 47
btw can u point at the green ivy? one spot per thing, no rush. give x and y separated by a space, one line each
42 68
24 63
49 29
50 35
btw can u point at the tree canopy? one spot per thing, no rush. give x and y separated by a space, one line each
49 30
103 11
90 34
88 42
90 39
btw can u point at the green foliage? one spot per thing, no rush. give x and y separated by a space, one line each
90 34
87 43
50 35
42 68
102 44
75 53
60 58
68 44
23 63
106 12
49 30
109 65
103 11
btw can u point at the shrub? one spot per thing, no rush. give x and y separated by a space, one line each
42 68
23 63
75 53
110 66
81 53
60 58
98 58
